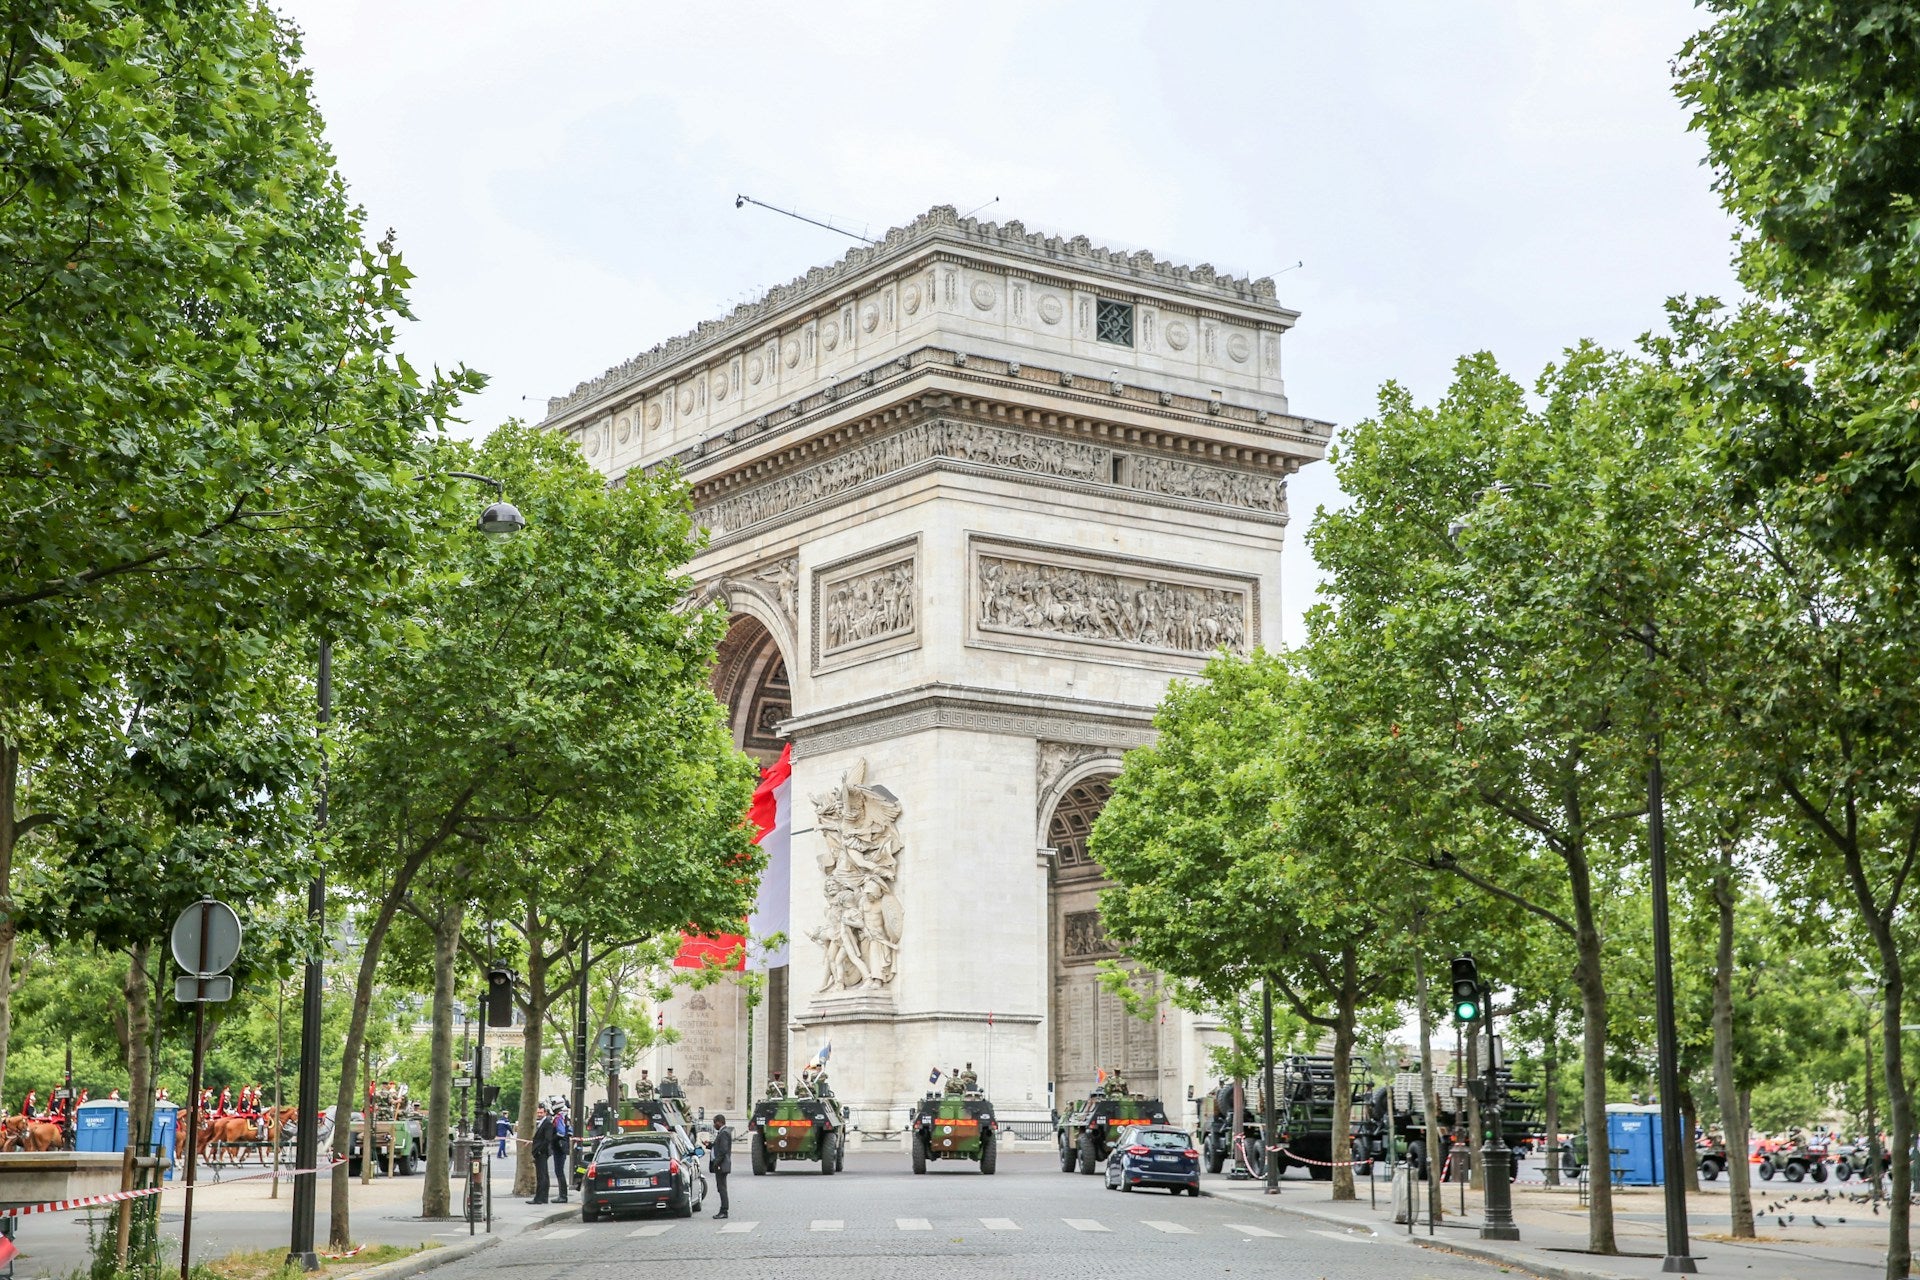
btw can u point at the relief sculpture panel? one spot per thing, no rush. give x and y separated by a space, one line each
875 604
1115 607
1177 479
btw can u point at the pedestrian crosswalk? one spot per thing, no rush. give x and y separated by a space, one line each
1160 1226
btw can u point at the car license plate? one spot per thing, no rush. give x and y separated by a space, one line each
621 1183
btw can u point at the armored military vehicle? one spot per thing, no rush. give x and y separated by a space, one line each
637 1115
955 1126
798 1128
1088 1132
1794 1160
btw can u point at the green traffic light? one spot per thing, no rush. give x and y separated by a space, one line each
1466 1011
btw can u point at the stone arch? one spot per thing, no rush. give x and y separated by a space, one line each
751 681
1089 1028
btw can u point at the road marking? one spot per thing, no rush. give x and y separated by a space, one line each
913 1224
1262 1232
651 1229
999 1224
738 1228
1348 1236
1083 1224
1171 1228
828 1224
564 1232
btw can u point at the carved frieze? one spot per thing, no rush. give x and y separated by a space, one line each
866 606
1056 758
1177 479
1078 599
1084 938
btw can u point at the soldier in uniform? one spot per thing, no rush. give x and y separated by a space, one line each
820 1087
670 1087
969 1080
776 1087
643 1087
1116 1084
953 1087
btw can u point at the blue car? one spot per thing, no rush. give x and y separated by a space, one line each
1157 1155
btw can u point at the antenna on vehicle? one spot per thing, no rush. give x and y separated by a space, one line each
740 202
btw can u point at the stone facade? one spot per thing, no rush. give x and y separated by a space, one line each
974 496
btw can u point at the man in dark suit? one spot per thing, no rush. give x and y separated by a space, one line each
562 1149
542 1153
720 1162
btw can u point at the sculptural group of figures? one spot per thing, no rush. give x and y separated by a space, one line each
861 936
1085 603
869 605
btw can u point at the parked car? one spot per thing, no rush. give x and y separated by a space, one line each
1155 1156
643 1173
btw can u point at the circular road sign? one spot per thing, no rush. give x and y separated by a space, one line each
221 930
613 1040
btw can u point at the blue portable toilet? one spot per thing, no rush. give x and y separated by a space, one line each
1634 1133
166 1130
100 1126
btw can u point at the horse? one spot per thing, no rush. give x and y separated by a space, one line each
22 1133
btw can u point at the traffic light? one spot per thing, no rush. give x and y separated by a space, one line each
499 996
1467 1005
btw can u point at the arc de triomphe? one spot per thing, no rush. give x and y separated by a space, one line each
975 496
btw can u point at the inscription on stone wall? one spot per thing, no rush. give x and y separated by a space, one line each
1209 484
1019 596
870 605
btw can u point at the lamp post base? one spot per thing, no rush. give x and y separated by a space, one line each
1499 1231
305 1261
1679 1264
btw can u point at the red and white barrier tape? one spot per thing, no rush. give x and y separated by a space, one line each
1324 1164
115 1197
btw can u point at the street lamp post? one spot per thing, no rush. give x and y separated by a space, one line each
1496 1160
500 519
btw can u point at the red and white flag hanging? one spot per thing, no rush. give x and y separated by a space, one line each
772 816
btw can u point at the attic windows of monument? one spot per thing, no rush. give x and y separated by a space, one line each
1113 322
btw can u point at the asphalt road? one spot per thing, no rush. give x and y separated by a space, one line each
877 1221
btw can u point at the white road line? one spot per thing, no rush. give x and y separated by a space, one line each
651 1229
999 1224
738 1228
1171 1228
564 1232
913 1224
1348 1236
1083 1224
828 1224
1262 1232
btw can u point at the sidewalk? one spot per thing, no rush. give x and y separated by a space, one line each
230 1215
1553 1230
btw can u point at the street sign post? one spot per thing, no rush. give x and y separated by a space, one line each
205 940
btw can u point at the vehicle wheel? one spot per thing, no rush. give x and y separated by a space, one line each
353 1166
1766 1171
1125 1186
1089 1155
989 1151
1193 1191
1417 1153
1710 1170
1820 1172
757 1153
826 1154
840 1154
1320 1173
1216 1158
1796 1171
1843 1171
685 1208
408 1166
1066 1155
919 1152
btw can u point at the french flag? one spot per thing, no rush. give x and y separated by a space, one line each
772 816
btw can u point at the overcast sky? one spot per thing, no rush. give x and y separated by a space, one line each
1455 176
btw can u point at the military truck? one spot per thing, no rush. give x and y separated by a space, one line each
1219 1136
795 1129
1395 1122
955 1126
398 1134
1089 1130
1305 1133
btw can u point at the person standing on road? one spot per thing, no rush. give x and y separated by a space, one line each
562 1149
542 1153
720 1163
502 1130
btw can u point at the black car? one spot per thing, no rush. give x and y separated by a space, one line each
643 1172
1155 1155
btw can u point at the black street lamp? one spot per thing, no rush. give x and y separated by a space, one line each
500 519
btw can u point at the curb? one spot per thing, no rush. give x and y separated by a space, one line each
1480 1253
429 1259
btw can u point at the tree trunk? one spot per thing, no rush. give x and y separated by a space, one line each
139 1083
436 1199
1689 1122
1429 1099
1340 1144
9 785
1732 1110
1899 1105
531 1037
1550 1086
1593 1099
340 1225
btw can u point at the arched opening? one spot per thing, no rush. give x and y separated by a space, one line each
1092 1029
750 680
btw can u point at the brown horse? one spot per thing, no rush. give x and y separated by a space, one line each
19 1133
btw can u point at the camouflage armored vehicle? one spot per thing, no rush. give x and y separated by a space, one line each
1795 1161
1091 1129
802 1128
637 1115
955 1126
